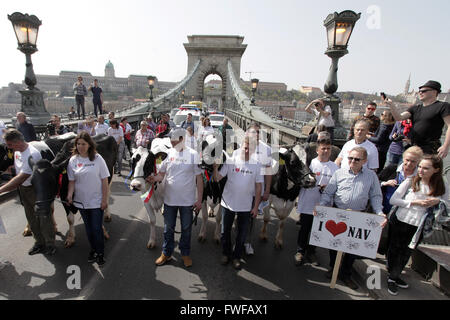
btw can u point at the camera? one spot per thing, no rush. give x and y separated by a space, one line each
399 137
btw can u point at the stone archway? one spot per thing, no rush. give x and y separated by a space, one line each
214 52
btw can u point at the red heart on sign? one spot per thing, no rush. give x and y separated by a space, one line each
80 165
334 228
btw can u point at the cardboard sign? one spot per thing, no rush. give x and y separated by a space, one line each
353 232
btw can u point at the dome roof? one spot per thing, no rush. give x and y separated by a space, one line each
109 65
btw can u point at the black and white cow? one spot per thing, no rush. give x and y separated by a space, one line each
145 163
50 178
290 174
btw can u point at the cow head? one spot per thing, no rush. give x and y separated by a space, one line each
45 181
144 162
6 157
292 160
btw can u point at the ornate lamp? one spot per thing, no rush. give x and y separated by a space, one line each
26 29
151 83
339 29
254 88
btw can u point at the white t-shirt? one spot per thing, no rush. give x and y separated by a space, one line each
240 186
181 169
101 128
88 177
206 131
116 133
372 153
326 121
2 131
263 155
309 198
21 162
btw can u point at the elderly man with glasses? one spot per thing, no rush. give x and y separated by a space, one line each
352 188
428 119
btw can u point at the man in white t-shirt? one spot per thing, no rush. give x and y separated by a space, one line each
183 178
41 226
323 168
244 182
101 127
361 131
324 113
263 156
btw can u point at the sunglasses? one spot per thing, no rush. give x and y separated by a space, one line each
354 159
371 109
426 90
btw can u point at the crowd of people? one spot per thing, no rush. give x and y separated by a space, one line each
392 167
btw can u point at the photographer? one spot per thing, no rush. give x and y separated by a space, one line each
323 113
400 141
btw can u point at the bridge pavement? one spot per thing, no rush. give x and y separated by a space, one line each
130 272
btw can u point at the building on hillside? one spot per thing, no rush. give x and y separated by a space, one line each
311 92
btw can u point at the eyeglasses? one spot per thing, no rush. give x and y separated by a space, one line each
426 90
354 159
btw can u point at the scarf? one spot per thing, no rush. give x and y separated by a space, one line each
406 127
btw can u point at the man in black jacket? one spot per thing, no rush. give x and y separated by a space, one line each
27 129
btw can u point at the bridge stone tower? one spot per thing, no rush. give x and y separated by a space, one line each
213 52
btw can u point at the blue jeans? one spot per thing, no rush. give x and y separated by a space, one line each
93 221
393 158
243 221
170 219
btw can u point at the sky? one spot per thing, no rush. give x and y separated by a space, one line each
286 39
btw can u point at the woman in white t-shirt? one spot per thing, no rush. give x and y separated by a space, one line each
116 131
88 191
244 181
206 129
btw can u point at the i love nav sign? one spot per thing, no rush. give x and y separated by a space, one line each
348 231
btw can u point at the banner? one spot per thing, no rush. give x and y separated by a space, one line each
352 232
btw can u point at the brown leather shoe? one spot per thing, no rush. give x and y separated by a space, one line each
162 259
187 261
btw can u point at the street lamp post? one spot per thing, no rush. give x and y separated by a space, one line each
254 87
339 29
26 28
151 83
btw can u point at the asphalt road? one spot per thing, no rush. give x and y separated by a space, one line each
130 272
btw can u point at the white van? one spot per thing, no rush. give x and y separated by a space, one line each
182 115
216 119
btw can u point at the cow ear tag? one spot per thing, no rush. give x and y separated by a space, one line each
158 161
10 154
281 162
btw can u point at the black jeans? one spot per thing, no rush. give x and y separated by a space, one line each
80 103
97 104
346 263
306 221
398 253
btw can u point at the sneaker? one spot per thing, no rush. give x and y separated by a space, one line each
187 261
249 249
298 258
50 250
162 259
350 283
392 287
401 284
311 257
224 261
237 264
92 256
36 249
100 260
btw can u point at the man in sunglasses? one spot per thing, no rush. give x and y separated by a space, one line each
369 115
428 118
351 188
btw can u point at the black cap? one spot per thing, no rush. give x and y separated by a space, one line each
433 85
